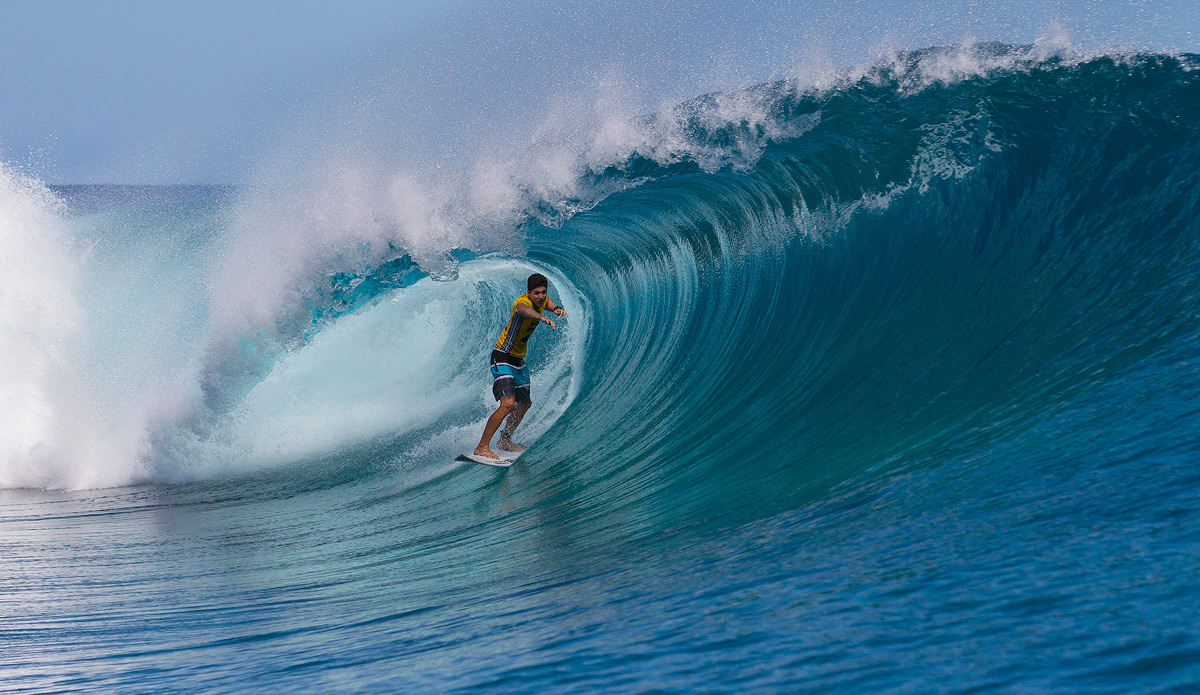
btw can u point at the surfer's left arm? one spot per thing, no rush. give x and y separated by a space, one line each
554 308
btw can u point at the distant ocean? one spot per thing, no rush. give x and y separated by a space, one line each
887 384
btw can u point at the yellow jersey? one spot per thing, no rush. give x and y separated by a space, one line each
515 338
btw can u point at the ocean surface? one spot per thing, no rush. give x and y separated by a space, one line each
884 382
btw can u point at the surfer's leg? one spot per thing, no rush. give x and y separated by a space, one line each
508 376
507 404
521 398
514 420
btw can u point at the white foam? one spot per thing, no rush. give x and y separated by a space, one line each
39 316
82 370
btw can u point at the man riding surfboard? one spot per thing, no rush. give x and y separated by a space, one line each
510 380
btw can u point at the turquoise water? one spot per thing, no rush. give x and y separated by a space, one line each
887 387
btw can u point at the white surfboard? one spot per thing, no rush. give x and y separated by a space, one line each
507 458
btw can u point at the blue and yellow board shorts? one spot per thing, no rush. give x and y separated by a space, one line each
509 377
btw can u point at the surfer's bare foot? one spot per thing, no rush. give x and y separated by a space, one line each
507 445
486 453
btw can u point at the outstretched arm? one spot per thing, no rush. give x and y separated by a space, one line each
554 308
529 313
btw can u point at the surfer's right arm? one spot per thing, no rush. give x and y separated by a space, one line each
554 308
531 313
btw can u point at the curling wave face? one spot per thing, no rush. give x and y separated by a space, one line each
926 274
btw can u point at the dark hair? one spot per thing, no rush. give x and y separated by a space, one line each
537 280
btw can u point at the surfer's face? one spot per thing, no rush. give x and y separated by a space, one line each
538 296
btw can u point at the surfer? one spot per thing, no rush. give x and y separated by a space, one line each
510 381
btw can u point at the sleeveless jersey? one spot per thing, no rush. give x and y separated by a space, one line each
515 338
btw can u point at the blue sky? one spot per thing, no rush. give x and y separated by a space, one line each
173 92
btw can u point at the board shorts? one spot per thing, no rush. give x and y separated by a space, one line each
509 377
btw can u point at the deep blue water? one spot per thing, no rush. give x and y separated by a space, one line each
897 393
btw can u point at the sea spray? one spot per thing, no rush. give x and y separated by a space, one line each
39 319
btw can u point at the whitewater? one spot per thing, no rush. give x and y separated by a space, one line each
875 380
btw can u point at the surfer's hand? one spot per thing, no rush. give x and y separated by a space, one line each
559 311
550 321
